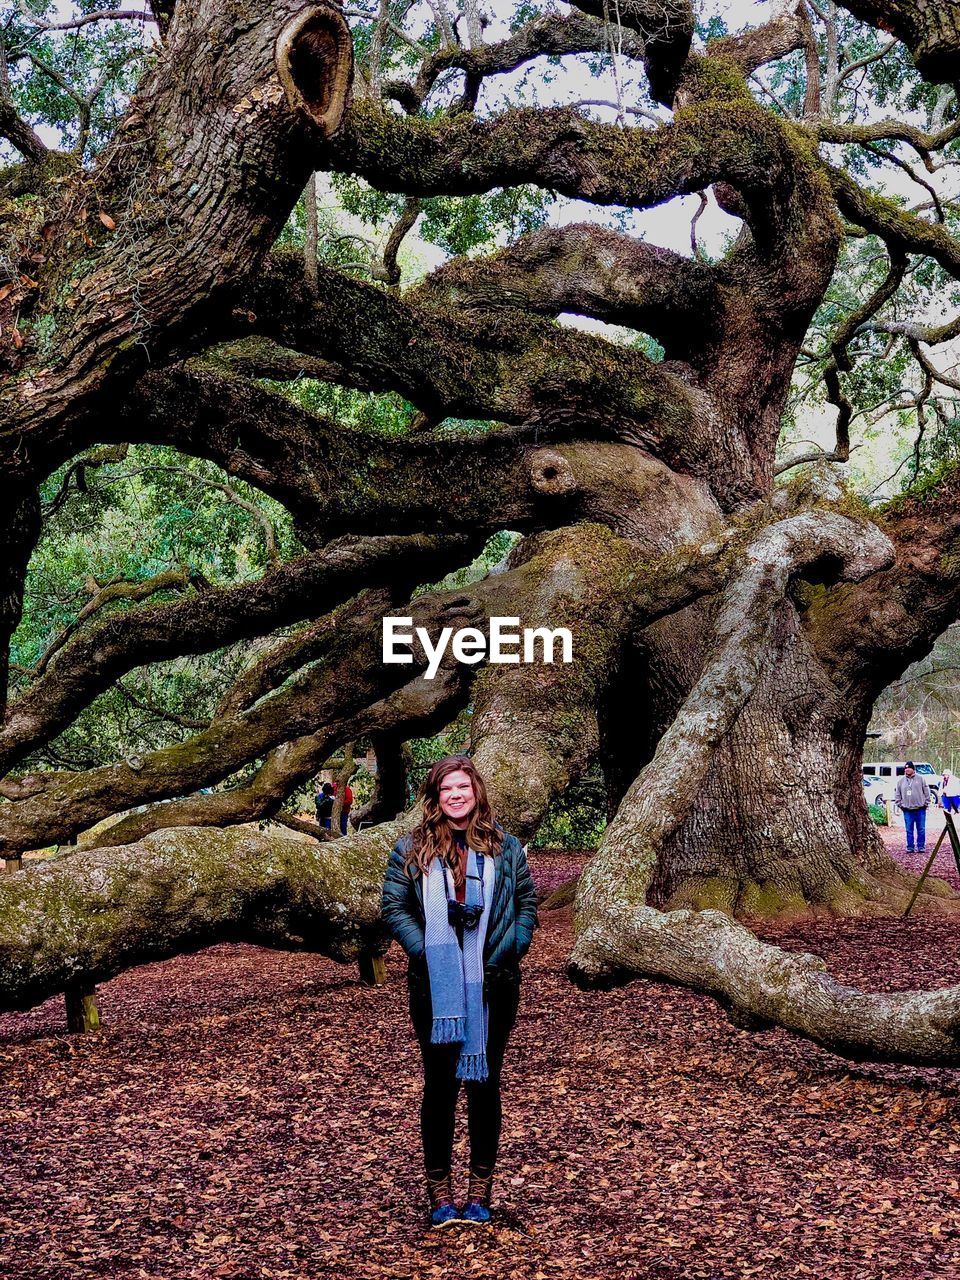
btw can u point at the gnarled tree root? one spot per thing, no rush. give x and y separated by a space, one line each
619 936
883 891
763 986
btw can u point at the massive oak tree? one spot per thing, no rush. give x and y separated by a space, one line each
736 610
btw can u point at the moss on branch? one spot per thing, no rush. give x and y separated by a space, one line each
98 913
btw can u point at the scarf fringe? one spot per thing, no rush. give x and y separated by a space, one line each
472 1066
449 1030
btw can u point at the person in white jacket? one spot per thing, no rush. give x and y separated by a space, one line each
950 792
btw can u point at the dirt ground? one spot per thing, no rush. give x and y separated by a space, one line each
253 1115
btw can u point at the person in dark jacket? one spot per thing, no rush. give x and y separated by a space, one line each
459 898
323 803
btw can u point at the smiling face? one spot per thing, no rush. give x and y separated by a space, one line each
457 798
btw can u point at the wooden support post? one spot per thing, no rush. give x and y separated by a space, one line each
12 864
82 1011
373 970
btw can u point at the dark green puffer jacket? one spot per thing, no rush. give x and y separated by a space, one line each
513 913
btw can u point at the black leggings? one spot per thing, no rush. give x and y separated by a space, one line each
441 1086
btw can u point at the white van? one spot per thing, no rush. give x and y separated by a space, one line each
880 779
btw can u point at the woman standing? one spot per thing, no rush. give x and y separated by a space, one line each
459 899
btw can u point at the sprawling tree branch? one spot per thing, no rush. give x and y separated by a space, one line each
337 480
421 707
885 131
930 30
213 619
665 28
170 580
273 662
202 887
505 368
349 676
931 334
896 226
786 31
555 382
762 986
324 696
548 34
721 135
84 19
591 271
18 132
768 287
173 188
867 635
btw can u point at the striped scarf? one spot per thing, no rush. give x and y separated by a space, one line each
456 976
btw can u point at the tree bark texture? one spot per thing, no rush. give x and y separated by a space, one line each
930 30
87 917
731 630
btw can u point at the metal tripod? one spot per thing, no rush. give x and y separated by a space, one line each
949 829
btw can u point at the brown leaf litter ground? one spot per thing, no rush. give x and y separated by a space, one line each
252 1115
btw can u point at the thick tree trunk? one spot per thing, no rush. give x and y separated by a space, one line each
779 826
19 528
619 934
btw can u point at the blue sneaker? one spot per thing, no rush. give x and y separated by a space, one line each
443 1211
444 1214
477 1208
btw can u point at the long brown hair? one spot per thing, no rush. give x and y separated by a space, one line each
433 838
